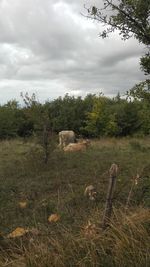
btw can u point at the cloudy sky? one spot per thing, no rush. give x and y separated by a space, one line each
49 48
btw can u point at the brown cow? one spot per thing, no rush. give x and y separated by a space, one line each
77 146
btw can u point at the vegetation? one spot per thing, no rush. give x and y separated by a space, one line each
77 238
93 116
130 18
44 203
45 219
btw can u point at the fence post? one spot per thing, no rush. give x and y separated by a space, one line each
109 199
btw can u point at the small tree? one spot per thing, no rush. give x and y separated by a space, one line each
38 113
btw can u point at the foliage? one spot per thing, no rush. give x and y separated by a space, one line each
98 118
58 188
67 113
141 91
113 118
128 119
145 63
129 17
92 116
13 121
38 114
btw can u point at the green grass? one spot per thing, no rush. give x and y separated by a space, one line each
58 187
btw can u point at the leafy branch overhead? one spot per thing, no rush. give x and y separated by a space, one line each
141 91
130 17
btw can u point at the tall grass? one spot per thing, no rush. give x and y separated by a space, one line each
124 243
58 187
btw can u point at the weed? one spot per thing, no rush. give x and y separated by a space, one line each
58 188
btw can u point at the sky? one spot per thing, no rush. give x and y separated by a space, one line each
49 48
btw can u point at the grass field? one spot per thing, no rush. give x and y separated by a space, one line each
58 187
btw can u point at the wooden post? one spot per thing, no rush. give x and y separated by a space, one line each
109 199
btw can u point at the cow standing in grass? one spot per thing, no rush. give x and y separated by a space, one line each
66 137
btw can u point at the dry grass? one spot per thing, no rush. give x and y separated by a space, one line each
58 188
125 243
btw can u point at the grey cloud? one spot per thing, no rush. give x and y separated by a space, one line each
49 45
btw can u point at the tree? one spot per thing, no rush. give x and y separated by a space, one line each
128 119
8 126
13 122
38 114
99 120
130 17
141 91
68 113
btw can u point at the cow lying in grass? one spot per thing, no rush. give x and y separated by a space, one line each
81 146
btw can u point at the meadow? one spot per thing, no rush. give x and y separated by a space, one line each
57 187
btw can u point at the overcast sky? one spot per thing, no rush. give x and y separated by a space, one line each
49 48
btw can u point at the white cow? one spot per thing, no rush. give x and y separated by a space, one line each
66 137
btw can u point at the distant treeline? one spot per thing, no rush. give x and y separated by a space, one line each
92 116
